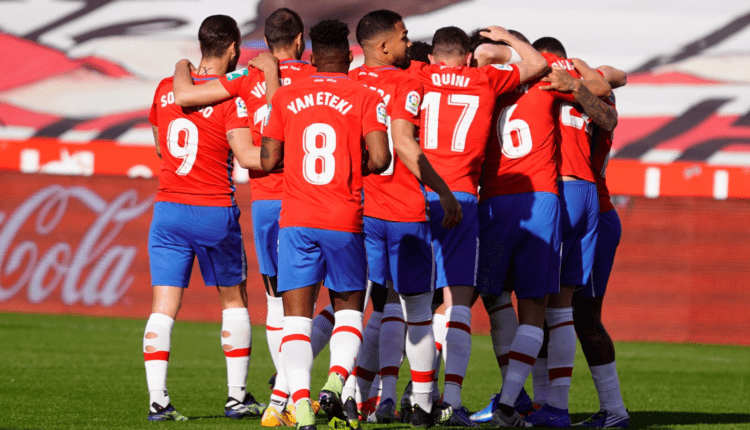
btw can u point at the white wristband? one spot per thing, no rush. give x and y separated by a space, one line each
514 57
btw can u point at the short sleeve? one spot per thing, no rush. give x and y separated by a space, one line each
373 113
274 127
235 114
232 82
503 77
409 94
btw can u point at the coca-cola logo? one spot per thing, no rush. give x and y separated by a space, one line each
91 269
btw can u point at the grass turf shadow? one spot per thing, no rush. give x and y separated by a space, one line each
667 420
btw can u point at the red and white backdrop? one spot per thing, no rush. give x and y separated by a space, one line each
78 169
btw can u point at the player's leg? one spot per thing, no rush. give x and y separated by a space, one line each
346 280
438 328
540 373
532 221
596 343
392 339
170 262
456 257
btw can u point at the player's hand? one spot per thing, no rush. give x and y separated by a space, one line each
496 33
560 80
579 64
265 61
452 209
185 63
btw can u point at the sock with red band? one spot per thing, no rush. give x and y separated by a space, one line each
561 353
438 330
236 341
297 356
368 361
322 327
392 338
274 327
456 351
345 341
523 352
503 326
156 345
420 347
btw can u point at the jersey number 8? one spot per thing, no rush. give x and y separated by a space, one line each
310 138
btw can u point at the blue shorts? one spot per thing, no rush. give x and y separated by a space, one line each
456 249
610 231
309 255
519 244
180 232
266 235
579 216
400 252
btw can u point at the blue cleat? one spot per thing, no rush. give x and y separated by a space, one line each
164 413
604 420
460 418
485 415
524 405
548 416
237 410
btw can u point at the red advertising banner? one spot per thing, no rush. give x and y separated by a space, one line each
79 245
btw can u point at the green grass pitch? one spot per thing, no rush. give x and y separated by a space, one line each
71 372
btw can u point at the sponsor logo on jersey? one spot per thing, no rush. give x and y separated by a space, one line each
236 74
381 113
241 108
505 67
412 103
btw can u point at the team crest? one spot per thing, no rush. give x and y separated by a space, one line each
505 67
382 113
241 108
412 103
236 74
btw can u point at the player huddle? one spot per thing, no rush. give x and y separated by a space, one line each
419 185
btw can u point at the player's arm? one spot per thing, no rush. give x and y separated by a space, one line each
592 79
410 153
489 53
186 93
241 142
269 65
615 77
532 63
599 112
156 140
377 157
271 154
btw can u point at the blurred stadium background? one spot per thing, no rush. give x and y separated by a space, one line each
78 168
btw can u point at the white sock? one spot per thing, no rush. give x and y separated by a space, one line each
345 341
540 379
438 329
322 327
237 343
456 350
368 361
392 338
274 327
296 353
375 389
561 353
420 347
523 352
607 385
350 386
503 326
156 355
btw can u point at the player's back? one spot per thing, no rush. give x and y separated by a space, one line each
456 113
396 194
250 85
520 154
197 160
601 141
322 122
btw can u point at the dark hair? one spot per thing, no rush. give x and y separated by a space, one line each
329 35
419 50
450 42
282 27
375 23
477 39
519 36
550 45
216 34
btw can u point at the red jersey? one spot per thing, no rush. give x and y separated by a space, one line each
322 121
457 105
396 194
250 84
197 161
602 144
520 155
574 127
